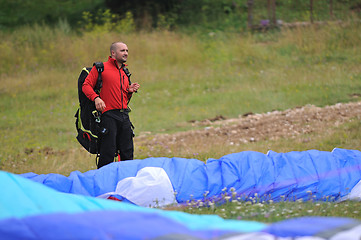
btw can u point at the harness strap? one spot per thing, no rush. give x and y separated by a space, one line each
100 68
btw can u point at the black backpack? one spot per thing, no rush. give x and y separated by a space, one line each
87 117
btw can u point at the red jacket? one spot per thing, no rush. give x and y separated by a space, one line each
114 91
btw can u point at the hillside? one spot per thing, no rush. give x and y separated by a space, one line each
257 127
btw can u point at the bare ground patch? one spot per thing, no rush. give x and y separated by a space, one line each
256 127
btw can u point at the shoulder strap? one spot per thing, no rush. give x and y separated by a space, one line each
100 68
126 71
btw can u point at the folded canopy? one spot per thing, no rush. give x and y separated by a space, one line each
40 207
275 176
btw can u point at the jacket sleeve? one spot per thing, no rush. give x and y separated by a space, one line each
129 95
89 84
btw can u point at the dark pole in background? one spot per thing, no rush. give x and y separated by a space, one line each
271 7
331 9
311 11
274 13
269 10
250 10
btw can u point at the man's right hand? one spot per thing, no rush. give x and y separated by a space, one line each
99 104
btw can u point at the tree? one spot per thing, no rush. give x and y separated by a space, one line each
19 12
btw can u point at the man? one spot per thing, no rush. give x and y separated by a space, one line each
112 102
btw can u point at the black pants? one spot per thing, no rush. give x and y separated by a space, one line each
117 139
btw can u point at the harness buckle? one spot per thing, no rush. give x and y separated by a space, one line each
96 115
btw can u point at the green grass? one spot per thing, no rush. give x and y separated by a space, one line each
183 77
253 209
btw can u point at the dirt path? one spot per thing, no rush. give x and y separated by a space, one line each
254 127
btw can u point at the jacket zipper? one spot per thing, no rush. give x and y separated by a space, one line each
121 89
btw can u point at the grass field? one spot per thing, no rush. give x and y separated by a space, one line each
183 77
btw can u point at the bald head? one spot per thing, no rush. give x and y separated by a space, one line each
115 45
119 51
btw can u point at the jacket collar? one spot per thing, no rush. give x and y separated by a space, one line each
113 61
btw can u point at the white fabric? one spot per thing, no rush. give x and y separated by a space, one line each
267 236
355 193
351 234
151 187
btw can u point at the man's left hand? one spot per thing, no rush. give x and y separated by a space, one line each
134 87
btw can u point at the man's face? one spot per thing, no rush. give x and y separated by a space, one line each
121 53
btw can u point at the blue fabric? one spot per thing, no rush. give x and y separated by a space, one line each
22 198
310 226
276 176
29 210
36 206
106 225
113 225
